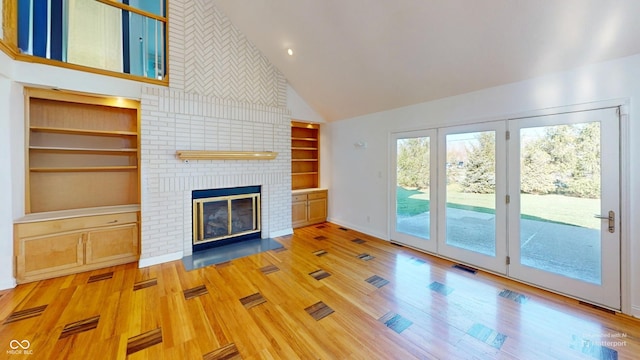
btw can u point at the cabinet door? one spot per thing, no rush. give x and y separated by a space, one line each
115 245
46 256
317 210
298 213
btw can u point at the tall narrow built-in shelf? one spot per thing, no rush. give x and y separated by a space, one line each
83 185
309 202
305 164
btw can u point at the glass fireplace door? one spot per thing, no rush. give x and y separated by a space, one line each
224 217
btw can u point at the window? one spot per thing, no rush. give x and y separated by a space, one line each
125 36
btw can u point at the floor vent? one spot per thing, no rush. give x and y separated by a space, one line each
466 268
396 244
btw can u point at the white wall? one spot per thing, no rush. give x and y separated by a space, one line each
6 65
1 22
6 191
300 110
6 223
65 79
358 190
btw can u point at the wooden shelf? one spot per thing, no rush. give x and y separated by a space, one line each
304 148
82 131
294 160
305 173
82 150
303 139
84 168
225 155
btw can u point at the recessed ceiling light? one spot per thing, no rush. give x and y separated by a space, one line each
290 52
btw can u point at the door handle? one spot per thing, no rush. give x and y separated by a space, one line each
611 218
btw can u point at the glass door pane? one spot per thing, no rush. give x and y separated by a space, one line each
563 187
472 190
559 193
215 219
413 189
243 216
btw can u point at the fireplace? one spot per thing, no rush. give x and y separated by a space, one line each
222 216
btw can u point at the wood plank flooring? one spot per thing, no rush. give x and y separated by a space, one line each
332 293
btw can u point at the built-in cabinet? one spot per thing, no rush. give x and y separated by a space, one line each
83 189
54 247
308 207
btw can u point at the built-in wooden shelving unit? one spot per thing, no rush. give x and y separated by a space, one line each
309 202
82 151
305 160
83 192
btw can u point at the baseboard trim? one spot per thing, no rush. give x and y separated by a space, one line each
278 233
8 284
369 232
142 263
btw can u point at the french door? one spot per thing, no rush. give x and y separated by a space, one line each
414 189
472 223
565 205
535 199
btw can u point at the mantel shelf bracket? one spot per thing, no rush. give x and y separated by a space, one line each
225 155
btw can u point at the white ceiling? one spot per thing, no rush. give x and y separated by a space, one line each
355 57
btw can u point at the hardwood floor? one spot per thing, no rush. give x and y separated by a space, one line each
331 293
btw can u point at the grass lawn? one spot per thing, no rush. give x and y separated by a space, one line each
552 208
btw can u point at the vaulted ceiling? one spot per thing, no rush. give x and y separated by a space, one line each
355 57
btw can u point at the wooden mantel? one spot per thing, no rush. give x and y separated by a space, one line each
225 155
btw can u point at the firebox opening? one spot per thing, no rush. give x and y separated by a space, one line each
223 216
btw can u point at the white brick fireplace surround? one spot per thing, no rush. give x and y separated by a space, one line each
173 120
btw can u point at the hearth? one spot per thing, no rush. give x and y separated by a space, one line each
222 216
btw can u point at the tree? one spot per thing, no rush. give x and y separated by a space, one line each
585 179
413 162
536 173
565 159
559 144
480 172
